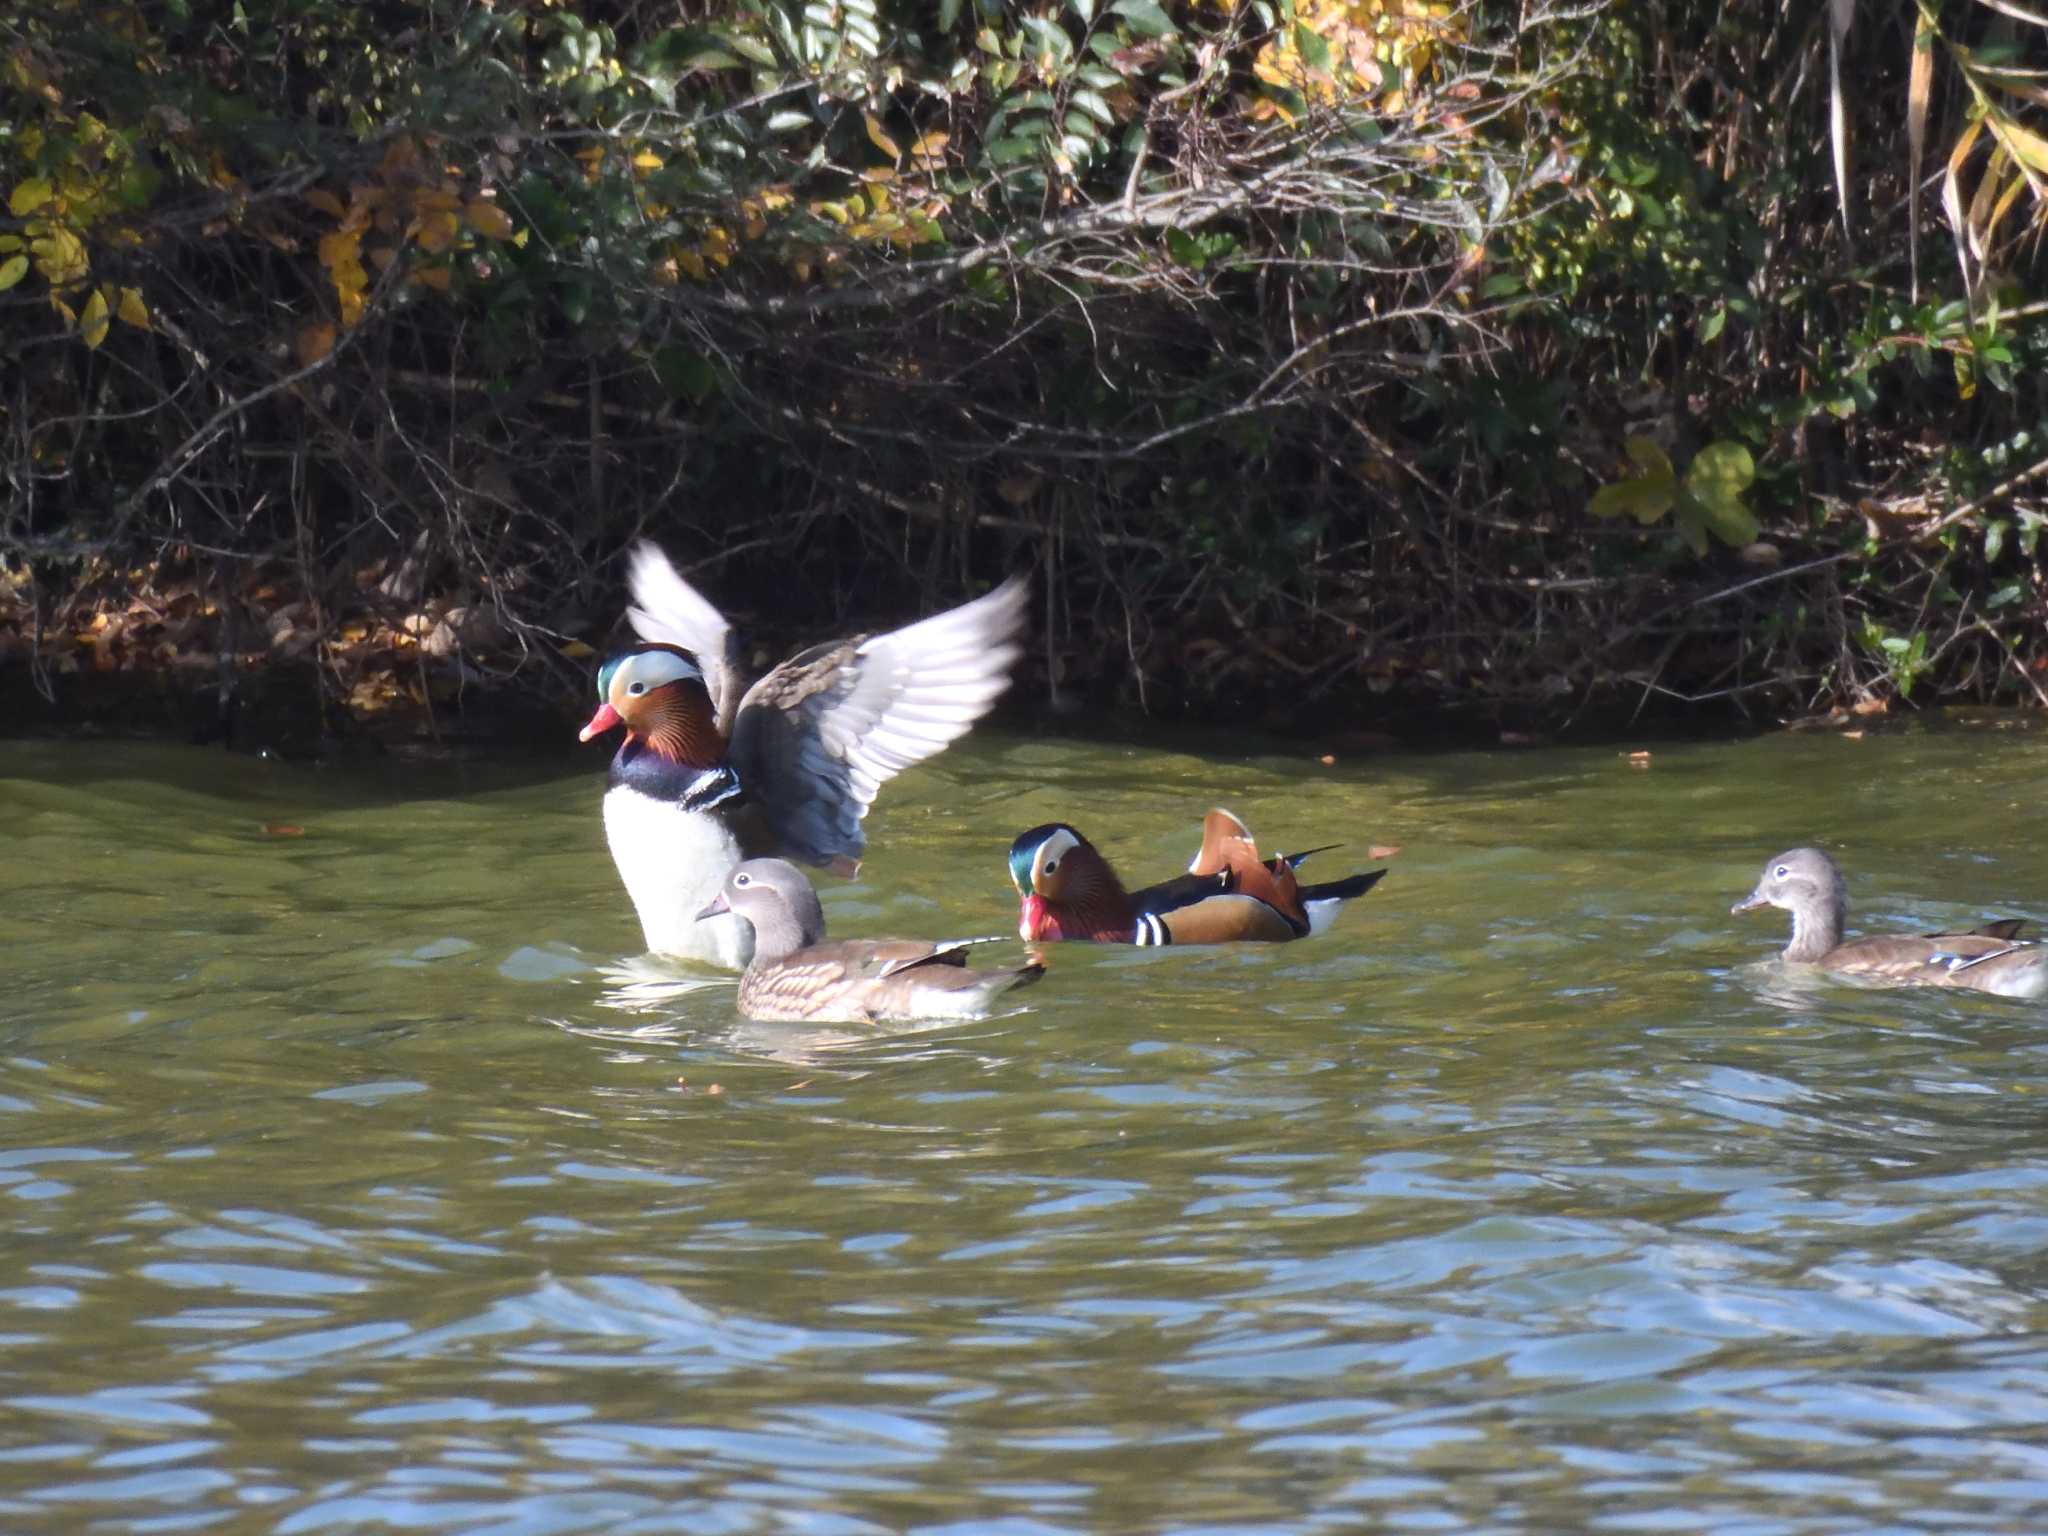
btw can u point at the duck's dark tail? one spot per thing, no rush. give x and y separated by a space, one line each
1322 902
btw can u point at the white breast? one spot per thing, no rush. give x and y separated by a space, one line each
673 861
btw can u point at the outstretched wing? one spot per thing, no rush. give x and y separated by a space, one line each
815 740
668 610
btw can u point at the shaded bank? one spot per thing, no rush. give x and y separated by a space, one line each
1515 368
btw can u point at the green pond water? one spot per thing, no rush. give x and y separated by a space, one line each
341 1190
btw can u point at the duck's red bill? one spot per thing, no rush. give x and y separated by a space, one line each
605 718
1032 922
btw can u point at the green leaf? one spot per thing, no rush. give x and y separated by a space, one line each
1711 326
1640 499
685 374
1312 46
1145 17
1092 103
1691 528
1721 469
949 12
1186 249
1647 496
1727 519
1644 453
1994 531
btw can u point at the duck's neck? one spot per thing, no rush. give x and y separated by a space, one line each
1816 930
780 933
644 767
1101 913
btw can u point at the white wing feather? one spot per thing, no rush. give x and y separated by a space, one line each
815 763
668 610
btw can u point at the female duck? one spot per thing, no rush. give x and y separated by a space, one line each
796 976
1228 894
712 771
1807 883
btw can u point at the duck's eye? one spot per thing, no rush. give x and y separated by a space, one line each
636 689
1783 871
742 879
1051 865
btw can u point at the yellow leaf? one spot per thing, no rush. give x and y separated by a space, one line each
131 309
436 231
647 160
2025 145
11 242
61 257
29 196
488 219
879 139
70 315
315 342
576 650
435 278
97 318
926 151
12 270
327 203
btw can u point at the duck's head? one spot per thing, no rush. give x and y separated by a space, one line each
1799 880
1061 878
657 693
777 898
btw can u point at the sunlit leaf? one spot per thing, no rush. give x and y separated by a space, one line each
1145 17
28 196
129 306
94 319
12 270
878 138
488 219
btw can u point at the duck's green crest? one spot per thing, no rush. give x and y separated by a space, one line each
605 674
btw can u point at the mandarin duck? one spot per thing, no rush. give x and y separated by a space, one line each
1228 894
796 976
1807 883
712 771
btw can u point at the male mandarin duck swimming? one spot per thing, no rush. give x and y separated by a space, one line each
1228 894
712 771
1807 883
797 976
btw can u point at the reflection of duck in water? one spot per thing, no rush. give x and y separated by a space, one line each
712 770
797 974
1807 883
1228 894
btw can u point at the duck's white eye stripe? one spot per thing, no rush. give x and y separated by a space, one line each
650 669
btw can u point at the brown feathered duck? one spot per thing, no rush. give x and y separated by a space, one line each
1229 894
1807 883
798 975
713 771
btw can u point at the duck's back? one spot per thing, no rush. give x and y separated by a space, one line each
864 980
1981 961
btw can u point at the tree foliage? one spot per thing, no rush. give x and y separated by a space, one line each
1302 346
